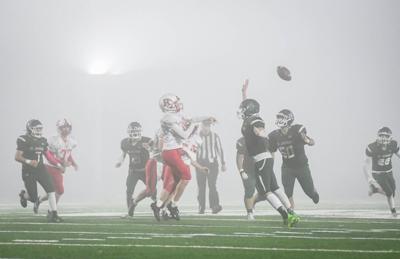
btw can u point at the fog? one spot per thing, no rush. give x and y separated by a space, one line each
344 57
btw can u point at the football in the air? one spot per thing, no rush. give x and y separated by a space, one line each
284 73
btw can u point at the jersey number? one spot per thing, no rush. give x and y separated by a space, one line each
384 161
287 152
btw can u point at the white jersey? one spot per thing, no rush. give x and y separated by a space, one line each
60 148
170 140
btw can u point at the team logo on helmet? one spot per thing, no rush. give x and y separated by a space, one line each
34 128
135 130
284 118
248 108
384 136
170 103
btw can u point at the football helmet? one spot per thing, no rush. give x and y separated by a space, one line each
170 103
34 128
384 136
64 127
135 130
248 108
284 118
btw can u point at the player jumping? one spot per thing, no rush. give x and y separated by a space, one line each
378 166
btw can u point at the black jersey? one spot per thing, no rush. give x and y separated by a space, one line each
382 155
291 146
138 155
33 149
248 162
255 144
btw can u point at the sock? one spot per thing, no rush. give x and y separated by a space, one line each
391 202
274 201
174 204
159 203
52 201
282 197
283 212
249 211
164 209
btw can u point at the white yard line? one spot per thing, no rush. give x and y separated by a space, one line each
35 241
83 239
215 247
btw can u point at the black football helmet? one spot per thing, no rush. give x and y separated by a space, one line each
135 130
248 108
34 128
384 136
284 118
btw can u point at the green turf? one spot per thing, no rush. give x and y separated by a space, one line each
196 237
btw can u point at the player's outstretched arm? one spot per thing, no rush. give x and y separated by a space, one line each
244 89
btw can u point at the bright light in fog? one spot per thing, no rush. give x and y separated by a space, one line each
99 67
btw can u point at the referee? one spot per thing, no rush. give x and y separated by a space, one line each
209 155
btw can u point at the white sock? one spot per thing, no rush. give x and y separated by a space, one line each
274 201
159 203
52 201
174 204
391 202
283 198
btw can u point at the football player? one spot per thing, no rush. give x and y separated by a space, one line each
256 142
31 148
61 147
135 147
152 173
378 166
250 181
175 130
290 140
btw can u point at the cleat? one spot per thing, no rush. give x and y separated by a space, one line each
156 211
36 205
201 211
292 220
217 209
394 213
22 199
126 216
316 198
131 209
52 217
250 217
174 212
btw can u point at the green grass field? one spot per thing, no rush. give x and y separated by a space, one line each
23 235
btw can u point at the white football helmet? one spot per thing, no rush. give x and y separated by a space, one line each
170 103
64 127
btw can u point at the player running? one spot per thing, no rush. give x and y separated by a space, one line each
255 138
290 141
175 130
135 147
378 166
31 148
61 147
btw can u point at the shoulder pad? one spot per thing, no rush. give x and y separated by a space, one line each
22 138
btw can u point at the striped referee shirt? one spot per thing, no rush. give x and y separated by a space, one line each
211 149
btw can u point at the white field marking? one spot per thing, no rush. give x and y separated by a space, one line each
215 247
140 238
236 234
83 239
36 241
199 226
332 231
293 233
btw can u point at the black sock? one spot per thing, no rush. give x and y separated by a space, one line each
249 210
283 212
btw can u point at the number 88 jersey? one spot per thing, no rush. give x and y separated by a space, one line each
382 155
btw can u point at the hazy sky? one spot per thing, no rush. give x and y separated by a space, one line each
344 56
